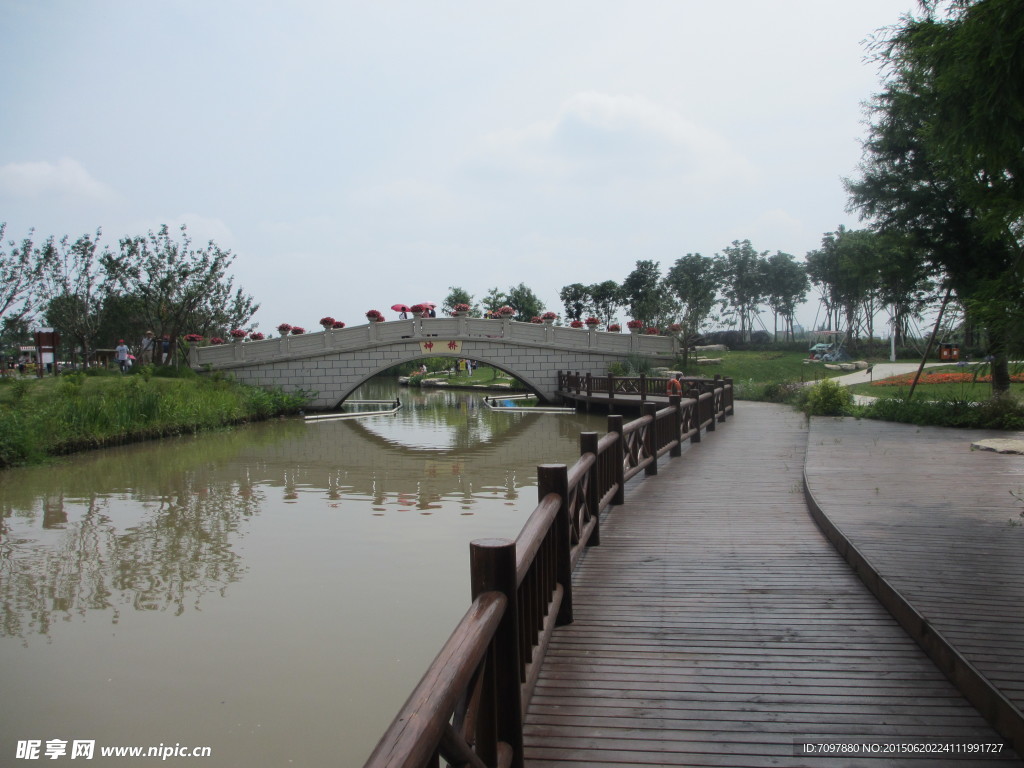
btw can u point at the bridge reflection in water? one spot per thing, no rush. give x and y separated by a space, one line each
189 586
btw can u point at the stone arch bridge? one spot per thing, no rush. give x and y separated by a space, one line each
334 363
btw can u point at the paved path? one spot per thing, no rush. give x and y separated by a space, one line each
716 625
936 530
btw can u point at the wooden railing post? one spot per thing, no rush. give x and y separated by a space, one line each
590 384
695 394
611 387
651 438
554 478
710 388
720 384
677 425
619 456
729 403
643 387
493 568
588 444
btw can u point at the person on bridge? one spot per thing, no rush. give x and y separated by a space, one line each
674 386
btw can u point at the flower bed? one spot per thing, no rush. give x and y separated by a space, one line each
949 377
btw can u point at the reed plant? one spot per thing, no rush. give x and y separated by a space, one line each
75 412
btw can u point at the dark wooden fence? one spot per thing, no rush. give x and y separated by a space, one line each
468 708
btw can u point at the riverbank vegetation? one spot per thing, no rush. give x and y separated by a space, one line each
76 411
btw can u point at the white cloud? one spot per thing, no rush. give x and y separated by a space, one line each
66 178
599 139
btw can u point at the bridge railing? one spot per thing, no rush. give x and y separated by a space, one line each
469 707
357 337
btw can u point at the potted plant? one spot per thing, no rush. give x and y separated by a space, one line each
284 329
576 324
652 331
506 312
549 318
592 322
256 336
460 310
327 323
374 316
193 338
237 334
675 327
297 330
614 328
338 325
635 326
216 340
536 319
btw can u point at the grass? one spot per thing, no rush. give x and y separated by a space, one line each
764 375
52 416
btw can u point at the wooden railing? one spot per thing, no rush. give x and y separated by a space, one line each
642 385
468 708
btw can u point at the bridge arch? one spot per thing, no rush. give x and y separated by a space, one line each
335 363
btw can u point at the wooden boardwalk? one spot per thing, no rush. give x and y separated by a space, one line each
716 625
936 530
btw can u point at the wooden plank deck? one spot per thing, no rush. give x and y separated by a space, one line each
716 625
937 533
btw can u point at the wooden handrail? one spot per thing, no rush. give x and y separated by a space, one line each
468 708
416 735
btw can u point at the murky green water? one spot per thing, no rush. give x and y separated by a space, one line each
273 592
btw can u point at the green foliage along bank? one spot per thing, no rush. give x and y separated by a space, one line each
47 417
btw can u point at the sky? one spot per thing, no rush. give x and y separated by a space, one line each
354 155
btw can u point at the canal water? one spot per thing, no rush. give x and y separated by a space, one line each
272 592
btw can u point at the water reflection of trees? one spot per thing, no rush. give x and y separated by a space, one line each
155 526
74 542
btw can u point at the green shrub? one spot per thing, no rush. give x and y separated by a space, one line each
826 398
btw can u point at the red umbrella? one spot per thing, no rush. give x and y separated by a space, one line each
428 304
400 307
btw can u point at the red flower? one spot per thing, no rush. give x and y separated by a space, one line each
237 333
548 316
576 324
614 327
338 324
652 331
327 322
256 336
283 329
374 314
297 331
216 340
635 324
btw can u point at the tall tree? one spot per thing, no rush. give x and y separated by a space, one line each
975 69
694 281
645 294
494 300
743 282
181 289
20 273
576 299
786 287
459 296
912 183
606 299
525 303
72 289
